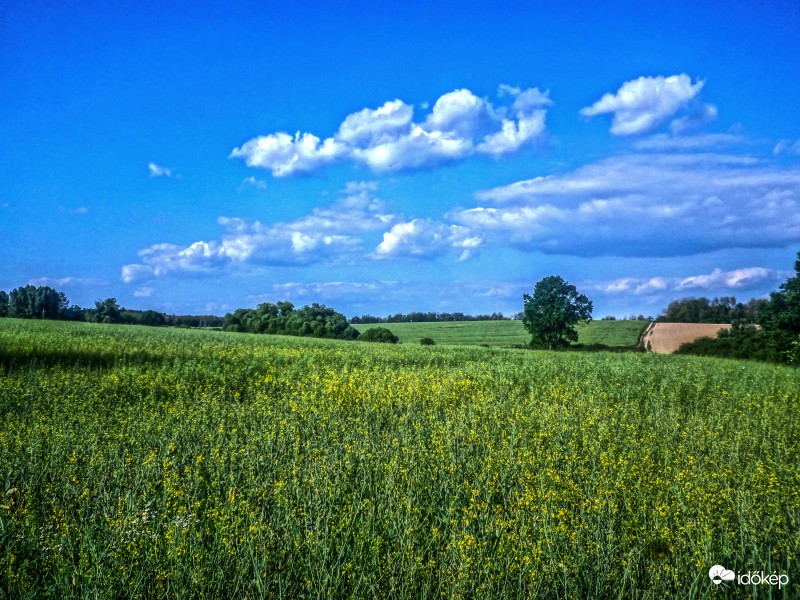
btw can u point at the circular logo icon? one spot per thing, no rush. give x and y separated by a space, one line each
718 574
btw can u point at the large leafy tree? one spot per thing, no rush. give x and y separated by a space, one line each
106 311
551 313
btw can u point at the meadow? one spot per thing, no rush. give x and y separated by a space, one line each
614 334
148 463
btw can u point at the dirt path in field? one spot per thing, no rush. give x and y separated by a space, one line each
665 338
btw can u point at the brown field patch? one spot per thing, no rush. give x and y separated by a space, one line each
665 338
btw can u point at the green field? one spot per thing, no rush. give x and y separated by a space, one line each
509 333
152 463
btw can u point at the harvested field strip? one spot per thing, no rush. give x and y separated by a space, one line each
666 338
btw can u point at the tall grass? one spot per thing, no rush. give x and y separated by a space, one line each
152 463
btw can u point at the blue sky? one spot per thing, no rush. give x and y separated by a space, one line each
200 157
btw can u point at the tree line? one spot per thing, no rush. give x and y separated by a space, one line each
44 302
716 310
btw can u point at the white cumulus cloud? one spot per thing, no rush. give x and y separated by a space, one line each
368 127
645 103
285 155
739 278
424 238
326 234
387 139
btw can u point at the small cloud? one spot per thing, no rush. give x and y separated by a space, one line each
134 273
652 285
144 292
508 90
252 182
616 286
787 147
81 210
719 279
158 170
327 290
215 308
704 113
356 187
426 239
643 104
68 283
55 282
501 291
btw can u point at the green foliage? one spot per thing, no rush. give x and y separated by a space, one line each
3 304
426 341
154 463
793 354
32 302
203 321
379 334
74 313
106 311
742 342
152 318
552 312
781 318
282 318
718 310
149 318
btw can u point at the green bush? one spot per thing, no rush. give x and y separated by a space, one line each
739 342
379 334
426 341
282 318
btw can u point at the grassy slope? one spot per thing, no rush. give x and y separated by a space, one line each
141 462
508 333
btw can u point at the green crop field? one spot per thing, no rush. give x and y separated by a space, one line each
152 463
509 333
